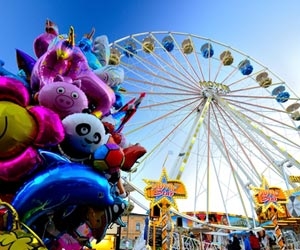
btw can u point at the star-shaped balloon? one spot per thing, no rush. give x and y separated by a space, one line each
266 196
164 191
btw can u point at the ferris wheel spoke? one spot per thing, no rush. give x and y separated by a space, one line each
194 76
180 50
254 105
275 122
165 78
264 117
152 68
167 114
229 160
264 158
180 90
235 137
268 123
261 134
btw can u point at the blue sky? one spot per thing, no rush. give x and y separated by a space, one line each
267 30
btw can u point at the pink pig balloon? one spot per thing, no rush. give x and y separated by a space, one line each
64 98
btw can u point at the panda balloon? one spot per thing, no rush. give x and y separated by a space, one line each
84 133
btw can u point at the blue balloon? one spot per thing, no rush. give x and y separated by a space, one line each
60 186
86 46
25 63
20 76
119 103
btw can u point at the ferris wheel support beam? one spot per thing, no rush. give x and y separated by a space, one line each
227 156
241 182
245 122
238 162
189 143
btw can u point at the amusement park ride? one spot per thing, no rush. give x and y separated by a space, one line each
229 126
216 107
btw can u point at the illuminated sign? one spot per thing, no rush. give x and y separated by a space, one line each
164 190
266 197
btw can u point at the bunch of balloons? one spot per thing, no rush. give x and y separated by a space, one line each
61 142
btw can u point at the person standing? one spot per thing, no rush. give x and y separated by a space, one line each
264 240
235 243
246 242
254 241
229 244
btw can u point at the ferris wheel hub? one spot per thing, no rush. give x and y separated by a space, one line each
214 88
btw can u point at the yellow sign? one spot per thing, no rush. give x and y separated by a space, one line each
266 197
164 190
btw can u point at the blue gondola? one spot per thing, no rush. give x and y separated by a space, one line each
245 67
283 97
130 48
207 50
168 43
278 90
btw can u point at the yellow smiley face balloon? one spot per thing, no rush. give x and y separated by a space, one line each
17 129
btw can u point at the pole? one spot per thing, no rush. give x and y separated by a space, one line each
128 215
118 239
154 236
180 239
164 225
278 232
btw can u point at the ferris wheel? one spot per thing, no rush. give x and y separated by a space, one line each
214 117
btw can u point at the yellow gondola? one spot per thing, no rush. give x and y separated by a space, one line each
264 80
293 109
114 58
187 46
226 58
148 44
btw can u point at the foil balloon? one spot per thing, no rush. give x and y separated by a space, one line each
63 58
19 236
63 184
62 97
101 49
20 76
23 129
86 46
132 154
112 75
25 63
99 220
42 42
100 96
84 133
67 60
125 113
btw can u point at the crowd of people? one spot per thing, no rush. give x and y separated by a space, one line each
251 241
235 240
